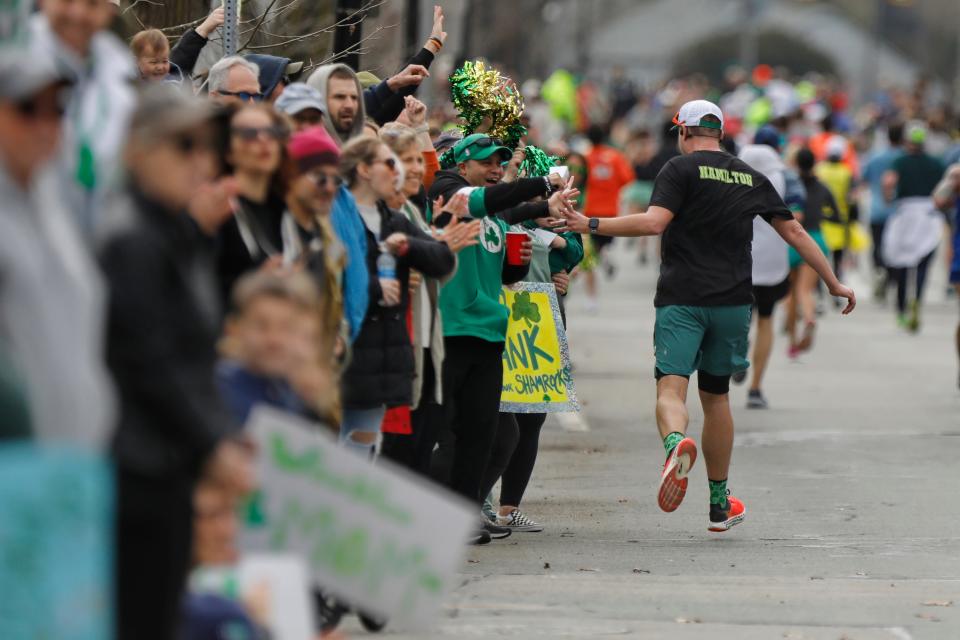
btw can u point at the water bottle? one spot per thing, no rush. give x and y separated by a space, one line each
386 267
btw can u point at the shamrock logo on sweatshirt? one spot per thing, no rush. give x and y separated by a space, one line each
491 236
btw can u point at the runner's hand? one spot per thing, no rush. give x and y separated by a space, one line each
576 222
841 291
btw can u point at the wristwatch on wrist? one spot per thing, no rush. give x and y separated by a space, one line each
594 224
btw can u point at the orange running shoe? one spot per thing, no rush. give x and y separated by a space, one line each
722 519
673 482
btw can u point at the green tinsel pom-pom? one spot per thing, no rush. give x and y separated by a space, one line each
446 159
536 163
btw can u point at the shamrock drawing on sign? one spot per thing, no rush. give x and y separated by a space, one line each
525 309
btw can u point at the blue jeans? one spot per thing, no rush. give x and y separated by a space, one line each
361 421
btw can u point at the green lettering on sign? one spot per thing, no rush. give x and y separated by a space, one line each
311 465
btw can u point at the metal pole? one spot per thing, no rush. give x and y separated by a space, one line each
956 69
347 36
231 11
584 36
413 28
871 54
466 42
748 36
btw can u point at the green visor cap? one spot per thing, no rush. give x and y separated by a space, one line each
479 146
706 124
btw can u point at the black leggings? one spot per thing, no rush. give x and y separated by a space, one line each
514 455
516 476
472 381
504 446
899 275
876 230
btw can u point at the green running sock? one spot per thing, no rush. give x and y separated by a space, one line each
718 492
672 440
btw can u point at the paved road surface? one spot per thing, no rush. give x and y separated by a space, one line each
851 482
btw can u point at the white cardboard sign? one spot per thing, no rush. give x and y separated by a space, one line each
370 534
282 581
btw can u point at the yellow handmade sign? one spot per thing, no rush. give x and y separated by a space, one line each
536 359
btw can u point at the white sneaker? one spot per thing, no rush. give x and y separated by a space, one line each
519 522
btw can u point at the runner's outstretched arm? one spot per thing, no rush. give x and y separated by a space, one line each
794 234
651 223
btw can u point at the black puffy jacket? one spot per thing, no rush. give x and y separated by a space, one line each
382 367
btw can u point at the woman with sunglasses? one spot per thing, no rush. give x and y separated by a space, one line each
255 154
381 372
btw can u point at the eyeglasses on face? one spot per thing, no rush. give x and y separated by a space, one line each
187 143
45 106
390 162
249 134
321 179
40 109
244 96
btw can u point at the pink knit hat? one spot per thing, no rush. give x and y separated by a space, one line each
313 147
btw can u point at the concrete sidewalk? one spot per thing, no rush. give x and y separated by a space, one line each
850 480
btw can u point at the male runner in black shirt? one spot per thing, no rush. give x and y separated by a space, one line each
703 203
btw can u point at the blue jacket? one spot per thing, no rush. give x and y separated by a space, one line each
348 226
242 390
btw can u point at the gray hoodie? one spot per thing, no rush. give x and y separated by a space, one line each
52 314
318 80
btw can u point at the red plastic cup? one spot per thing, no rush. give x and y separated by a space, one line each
515 240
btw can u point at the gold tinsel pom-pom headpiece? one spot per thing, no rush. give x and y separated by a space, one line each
487 101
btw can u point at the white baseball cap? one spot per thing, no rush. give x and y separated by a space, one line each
692 113
836 147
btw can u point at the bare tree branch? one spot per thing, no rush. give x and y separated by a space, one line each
286 40
256 28
184 26
258 25
137 2
357 48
